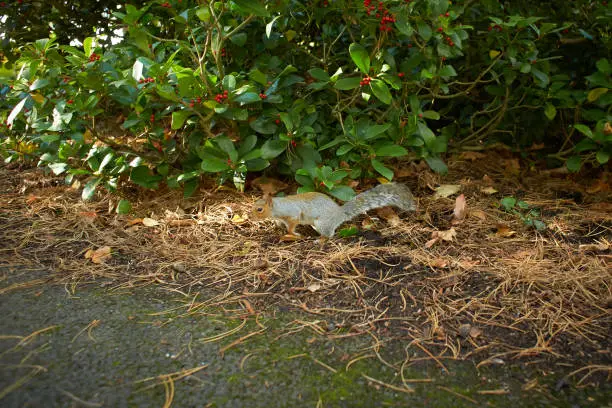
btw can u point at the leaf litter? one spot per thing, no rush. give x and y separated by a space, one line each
490 289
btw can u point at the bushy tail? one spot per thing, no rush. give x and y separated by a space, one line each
397 195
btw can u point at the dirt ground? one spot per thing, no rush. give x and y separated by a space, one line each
488 288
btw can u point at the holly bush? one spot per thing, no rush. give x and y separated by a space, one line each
323 91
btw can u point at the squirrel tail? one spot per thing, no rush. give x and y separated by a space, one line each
392 194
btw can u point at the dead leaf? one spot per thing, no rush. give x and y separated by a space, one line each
447 235
472 156
475 332
460 210
439 263
314 287
387 214
237 219
31 198
598 247
99 255
268 185
88 214
488 190
504 231
446 190
133 222
481 215
468 263
150 222
607 129
431 242
487 180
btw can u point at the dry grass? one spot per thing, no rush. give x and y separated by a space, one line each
486 296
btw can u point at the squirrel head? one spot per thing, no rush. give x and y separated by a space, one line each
262 208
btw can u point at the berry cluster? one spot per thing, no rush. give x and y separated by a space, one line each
152 118
223 53
221 97
495 27
263 95
365 81
450 41
166 5
69 101
146 80
194 101
382 13
94 57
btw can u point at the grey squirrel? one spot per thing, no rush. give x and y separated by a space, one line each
323 213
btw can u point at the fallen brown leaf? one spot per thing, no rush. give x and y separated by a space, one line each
598 247
447 235
133 222
446 190
504 231
99 255
439 263
481 215
472 156
238 219
488 190
150 222
387 214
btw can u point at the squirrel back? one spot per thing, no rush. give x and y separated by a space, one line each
324 214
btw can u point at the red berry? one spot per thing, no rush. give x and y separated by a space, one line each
401 74
440 29
420 115
277 121
70 102
447 14
490 28
409 45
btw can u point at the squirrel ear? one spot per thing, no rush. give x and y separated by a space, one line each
268 198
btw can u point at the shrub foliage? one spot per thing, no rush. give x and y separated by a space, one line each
323 91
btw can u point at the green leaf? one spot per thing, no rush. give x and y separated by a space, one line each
287 121
550 111
203 13
603 65
229 82
58 168
447 71
259 77
596 93
39 83
384 171
142 176
375 130
251 7
179 118
344 149
124 207
345 84
263 125
214 164
189 187
584 130
227 146
87 46
247 145
391 150
573 164
360 57
540 76
272 149
424 31
342 192
525 67
270 25
508 203
348 232
107 159
239 39
437 165
539 225
188 176
90 188
427 134
16 110
167 92
381 91
319 74
601 156
433 115
246 98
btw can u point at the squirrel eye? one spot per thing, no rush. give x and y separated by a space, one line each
260 209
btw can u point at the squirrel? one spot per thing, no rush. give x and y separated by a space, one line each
323 214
